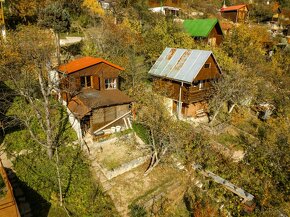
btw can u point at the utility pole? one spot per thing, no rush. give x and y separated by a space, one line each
2 21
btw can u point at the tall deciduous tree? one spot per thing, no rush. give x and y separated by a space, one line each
25 64
165 135
56 18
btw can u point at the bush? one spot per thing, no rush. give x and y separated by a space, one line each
137 211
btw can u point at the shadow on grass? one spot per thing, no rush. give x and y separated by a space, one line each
8 124
38 205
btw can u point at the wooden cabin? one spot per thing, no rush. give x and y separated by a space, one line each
167 11
236 13
208 30
184 77
90 88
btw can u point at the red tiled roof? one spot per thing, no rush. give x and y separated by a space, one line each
82 63
232 8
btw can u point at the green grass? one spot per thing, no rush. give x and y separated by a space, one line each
111 163
229 141
142 132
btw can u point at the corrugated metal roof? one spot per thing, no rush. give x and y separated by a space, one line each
180 64
199 27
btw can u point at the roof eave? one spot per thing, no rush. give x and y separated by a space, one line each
171 79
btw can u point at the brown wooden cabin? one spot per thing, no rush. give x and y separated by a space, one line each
184 77
236 13
208 30
90 87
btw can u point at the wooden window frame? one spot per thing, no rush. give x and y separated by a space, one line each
207 64
201 85
111 83
86 79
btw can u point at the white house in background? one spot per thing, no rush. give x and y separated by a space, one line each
166 10
106 4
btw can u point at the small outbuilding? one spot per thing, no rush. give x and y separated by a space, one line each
166 10
235 13
208 30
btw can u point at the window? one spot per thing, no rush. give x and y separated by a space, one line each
86 81
201 85
195 83
111 83
207 65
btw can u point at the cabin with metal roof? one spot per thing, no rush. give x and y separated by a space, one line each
90 88
235 13
208 30
184 77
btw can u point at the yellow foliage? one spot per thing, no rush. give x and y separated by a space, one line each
94 7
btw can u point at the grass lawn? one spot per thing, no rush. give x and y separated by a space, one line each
228 140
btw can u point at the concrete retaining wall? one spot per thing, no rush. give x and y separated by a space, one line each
124 167
75 124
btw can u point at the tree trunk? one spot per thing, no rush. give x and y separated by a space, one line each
50 152
57 42
153 163
232 107
58 178
45 94
215 114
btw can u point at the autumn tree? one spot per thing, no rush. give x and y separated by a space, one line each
93 8
164 134
56 18
234 87
25 64
27 11
162 33
245 45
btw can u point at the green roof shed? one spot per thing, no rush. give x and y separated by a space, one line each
200 27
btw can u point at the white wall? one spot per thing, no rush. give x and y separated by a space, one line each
75 123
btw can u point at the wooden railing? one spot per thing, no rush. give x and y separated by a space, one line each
8 205
192 96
